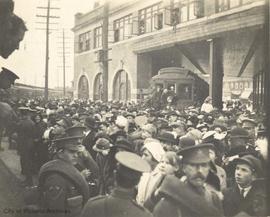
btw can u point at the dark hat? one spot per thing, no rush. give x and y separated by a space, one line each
219 124
11 76
90 122
249 123
70 143
75 131
124 144
185 142
209 136
177 124
239 132
64 122
172 113
83 115
202 125
131 164
252 161
129 114
167 137
102 144
196 154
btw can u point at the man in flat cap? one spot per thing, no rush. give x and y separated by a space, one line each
248 192
121 201
189 197
63 188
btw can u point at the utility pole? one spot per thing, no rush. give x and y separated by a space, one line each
48 16
63 54
64 65
105 29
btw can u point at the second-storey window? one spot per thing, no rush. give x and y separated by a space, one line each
122 28
84 41
223 5
98 37
147 18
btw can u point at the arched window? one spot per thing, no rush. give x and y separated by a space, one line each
98 87
121 86
83 88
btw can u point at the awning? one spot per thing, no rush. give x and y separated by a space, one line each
246 94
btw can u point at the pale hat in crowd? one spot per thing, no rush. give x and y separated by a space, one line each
121 121
154 147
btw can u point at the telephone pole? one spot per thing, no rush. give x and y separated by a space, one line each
105 29
64 65
63 54
48 17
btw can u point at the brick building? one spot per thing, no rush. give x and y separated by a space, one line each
220 40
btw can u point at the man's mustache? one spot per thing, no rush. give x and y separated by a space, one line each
199 175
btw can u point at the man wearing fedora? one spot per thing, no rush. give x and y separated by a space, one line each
189 197
90 135
248 192
63 189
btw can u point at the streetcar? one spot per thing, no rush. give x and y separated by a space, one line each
189 88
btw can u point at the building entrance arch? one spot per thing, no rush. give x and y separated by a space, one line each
121 86
98 87
83 88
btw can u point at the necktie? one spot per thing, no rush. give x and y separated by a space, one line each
242 191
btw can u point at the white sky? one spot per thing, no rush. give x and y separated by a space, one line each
29 61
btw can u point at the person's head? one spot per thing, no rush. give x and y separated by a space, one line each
130 167
37 118
169 163
68 148
13 37
152 152
247 169
167 140
148 131
7 78
103 146
196 163
249 125
238 137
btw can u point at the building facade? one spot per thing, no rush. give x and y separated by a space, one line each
220 40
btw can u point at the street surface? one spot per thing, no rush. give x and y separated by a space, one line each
11 199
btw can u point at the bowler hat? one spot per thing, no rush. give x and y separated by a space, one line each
75 131
239 132
90 122
167 137
185 142
196 154
124 144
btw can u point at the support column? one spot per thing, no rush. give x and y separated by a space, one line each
216 72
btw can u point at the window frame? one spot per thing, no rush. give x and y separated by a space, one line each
146 18
98 37
122 25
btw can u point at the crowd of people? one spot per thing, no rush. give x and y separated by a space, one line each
126 159
197 161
